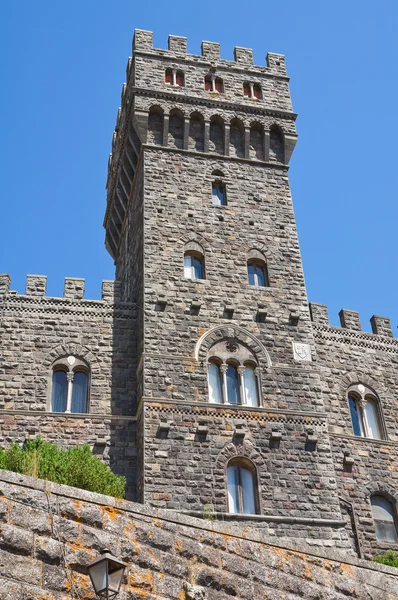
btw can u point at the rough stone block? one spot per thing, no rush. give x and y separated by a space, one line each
177 44
36 285
381 326
211 50
74 288
349 319
143 40
5 282
319 313
276 62
243 56
111 291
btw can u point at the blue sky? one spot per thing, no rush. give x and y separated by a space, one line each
63 65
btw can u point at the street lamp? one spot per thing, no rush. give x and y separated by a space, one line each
106 574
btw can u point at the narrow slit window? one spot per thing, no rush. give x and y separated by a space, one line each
59 391
208 83
79 392
218 85
251 386
218 196
168 76
247 90
257 274
193 266
215 384
233 392
180 78
356 416
257 91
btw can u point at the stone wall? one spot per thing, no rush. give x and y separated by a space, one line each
35 331
50 533
187 450
349 356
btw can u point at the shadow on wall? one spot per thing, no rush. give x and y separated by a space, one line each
123 431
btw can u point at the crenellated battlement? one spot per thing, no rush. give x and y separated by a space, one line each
197 104
210 51
349 319
36 287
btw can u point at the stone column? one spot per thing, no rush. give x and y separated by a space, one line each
223 370
69 377
241 373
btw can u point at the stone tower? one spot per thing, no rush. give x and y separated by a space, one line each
200 224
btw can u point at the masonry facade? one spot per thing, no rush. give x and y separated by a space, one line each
213 385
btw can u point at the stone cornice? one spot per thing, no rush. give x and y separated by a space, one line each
219 157
270 519
199 101
355 338
73 416
362 441
251 413
48 305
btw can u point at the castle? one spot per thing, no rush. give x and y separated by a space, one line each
203 375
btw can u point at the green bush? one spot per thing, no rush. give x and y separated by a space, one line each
389 558
76 466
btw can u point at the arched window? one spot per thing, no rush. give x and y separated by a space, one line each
256 141
216 138
242 487
218 194
237 139
215 383
79 392
384 517
174 77
257 274
365 412
70 386
276 145
233 375
59 390
176 129
252 90
251 385
214 84
196 132
155 126
194 267
233 391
